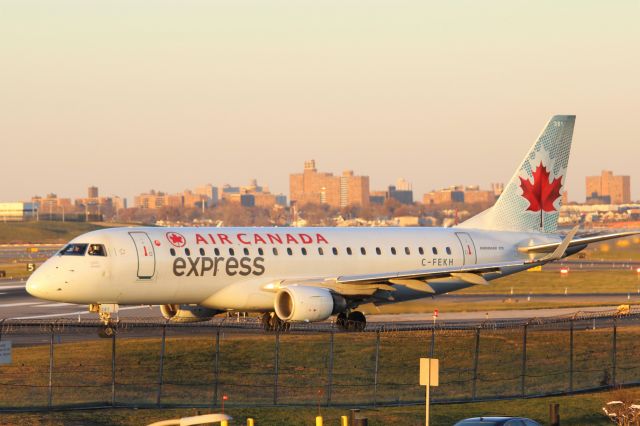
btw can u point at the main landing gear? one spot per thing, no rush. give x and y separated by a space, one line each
108 328
352 321
271 322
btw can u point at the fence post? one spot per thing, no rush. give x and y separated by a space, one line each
161 372
330 369
433 342
475 364
275 369
376 369
614 351
50 399
571 357
216 369
523 370
113 368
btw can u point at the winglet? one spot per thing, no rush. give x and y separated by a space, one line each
562 248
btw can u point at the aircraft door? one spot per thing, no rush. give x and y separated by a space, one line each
146 254
468 248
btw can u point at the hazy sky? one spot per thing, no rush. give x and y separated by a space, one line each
133 95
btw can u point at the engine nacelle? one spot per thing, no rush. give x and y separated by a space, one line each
300 303
187 313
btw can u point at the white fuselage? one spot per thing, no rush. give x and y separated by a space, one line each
231 268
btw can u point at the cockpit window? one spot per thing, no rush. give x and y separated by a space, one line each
96 250
74 250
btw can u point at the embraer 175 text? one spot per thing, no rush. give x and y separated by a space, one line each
310 274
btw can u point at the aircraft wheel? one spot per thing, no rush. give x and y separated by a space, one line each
342 321
356 321
285 326
279 325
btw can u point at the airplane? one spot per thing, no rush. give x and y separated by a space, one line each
310 274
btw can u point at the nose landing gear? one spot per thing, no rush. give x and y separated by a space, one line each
107 329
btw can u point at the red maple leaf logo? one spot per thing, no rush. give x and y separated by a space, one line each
176 239
541 194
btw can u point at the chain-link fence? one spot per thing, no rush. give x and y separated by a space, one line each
64 364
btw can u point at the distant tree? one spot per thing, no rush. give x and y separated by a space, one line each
317 214
279 216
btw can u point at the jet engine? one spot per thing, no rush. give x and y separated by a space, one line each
187 313
300 303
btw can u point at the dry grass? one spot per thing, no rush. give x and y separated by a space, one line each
246 365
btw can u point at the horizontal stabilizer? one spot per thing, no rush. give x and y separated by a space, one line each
549 248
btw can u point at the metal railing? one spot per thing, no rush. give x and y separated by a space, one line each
64 364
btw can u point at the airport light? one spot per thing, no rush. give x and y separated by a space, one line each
564 271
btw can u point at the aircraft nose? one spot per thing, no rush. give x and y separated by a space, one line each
34 286
38 283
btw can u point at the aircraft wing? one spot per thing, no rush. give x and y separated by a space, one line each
368 284
578 242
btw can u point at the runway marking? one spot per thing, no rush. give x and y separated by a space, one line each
75 313
10 305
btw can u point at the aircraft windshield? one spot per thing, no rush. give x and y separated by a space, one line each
97 250
74 250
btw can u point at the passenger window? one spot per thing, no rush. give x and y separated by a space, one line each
74 250
260 251
172 251
187 252
393 250
335 251
97 250
216 251
289 251
275 251
246 251
320 251
201 251
378 251
231 252
448 250
349 251
420 250
407 251
434 250
363 251
304 251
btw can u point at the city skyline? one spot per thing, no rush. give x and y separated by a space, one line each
123 96
371 191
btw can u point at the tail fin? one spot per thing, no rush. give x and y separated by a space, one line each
531 200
